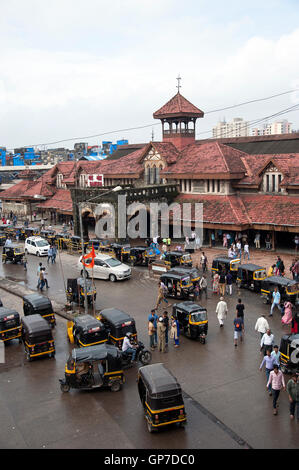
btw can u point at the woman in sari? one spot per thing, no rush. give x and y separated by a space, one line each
216 283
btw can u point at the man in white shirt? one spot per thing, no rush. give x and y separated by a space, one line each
267 341
261 325
221 311
127 346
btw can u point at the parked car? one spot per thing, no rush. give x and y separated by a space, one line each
36 246
106 267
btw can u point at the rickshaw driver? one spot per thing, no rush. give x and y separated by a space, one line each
127 346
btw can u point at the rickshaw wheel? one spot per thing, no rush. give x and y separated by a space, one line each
150 427
145 357
202 340
28 357
20 341
64 388
284 369
115 386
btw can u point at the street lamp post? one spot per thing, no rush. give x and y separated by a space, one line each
80 207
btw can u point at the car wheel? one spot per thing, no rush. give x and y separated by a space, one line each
112 278
38 253
115 386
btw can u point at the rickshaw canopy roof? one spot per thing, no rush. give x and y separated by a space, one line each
193 272
36 324
115 316
96 353
280 280
87 322
250 267
37 301
5 312
190 307
175 276
158 379
177 253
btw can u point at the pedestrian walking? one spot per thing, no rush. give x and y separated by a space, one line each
238 329
293 393
216 278
257 240
276 355
275 301
229 283
203 286
239 249
268 241
261 325
50 254
203 262
54 253
151 332
268 361
161 334
155 316
42 224
161 296
42 280
43 270
25 261
222 283
221 311
175 331
240 309
166 322
196 291
246 251
38 274
287 317
267 341
277 383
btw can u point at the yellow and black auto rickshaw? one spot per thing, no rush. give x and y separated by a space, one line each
107 250
225 264
86 331
117 324
250 276
178 286
31 232
13 253
289 353
75 291
49 235
288 289
177 258
2 238
141 256
121 251
193 320
39 304
74 244
161 397
94 242
20 231
93 367
10 325
192 272
37 337
62 240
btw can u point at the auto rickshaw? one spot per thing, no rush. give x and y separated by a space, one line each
193 320
31 232
62 240
121 251
222 263
288 289
37 337
36 303
94 242
141 255
93 367
177 258
106 250
75 291
250 276
117 323
49 235
10 325
179 286
161 397
289 353
74 243
21 230
2 238
192 272
86 330
13 253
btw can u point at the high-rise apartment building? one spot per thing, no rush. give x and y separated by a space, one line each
278 127
236 128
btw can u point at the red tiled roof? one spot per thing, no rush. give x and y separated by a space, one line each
178 106
17 190
61 200
39 187
167 151
206 159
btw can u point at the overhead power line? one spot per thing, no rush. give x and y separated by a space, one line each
153 124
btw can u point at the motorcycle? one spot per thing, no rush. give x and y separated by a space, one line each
142 355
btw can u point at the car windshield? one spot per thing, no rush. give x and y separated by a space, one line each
112 262
42 243
198 316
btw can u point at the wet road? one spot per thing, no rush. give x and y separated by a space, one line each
226 398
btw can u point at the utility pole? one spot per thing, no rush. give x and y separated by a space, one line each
84 270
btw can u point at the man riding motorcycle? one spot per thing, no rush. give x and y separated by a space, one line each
127 346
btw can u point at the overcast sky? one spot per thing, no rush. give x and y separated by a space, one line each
73 68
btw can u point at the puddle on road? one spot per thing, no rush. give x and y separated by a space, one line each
18 281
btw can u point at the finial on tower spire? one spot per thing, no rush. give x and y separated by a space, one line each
178 85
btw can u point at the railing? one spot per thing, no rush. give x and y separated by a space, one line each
179 131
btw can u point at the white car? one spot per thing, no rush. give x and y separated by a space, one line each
37 246
106 267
